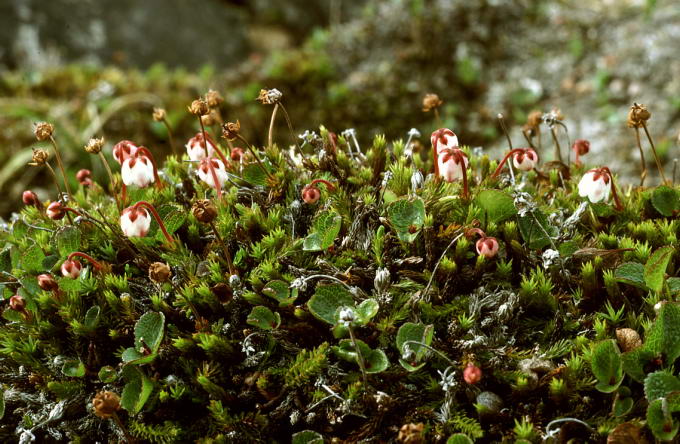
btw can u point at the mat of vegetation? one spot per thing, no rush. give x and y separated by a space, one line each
333 292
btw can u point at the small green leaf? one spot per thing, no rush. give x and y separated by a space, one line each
253 174
148 337
459 438
173 218
660 384
666 200
2 403
325 229
32 259
533 228
664 335
622 406
375 360
413 332
73 368
307 437
606 366
107 374
92 317
137 390
279 291
631 273
327 299
264 318
673 284
496 205
407 217
655 268
634 362
67 240
366 311
662 425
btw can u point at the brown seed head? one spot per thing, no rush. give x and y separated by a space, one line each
40 157
534 120
230 130
159 272
208 119
213 98
159 114
628 339
431 101
106 404
43 131
411 433
94 145
199 107
204 210
269 96
638 115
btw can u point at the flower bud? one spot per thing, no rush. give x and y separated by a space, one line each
135 221
159 114
442 139
236 154
56 211
47 282
269 96
487 247
311 194
39 157
84 177
43 131
381 282
204 210
431 101
581 147
123 150
71 268
199 107
17 303
534 120
628 339
159 272
94 145
451 162
106 404
30 198
206 175
230 130
472 374
196 149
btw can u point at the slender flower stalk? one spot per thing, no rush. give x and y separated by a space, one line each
61 167
558 150
159 115
227 255
643 164
529 156
360 358
656 157
146 152
252 151
458 158
87 257
271 126
154 213
211 168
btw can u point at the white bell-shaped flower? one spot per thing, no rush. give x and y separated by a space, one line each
442 139
135 221
206 175
196 150
450 166
124 150
71 268
137 171
525 161
595 185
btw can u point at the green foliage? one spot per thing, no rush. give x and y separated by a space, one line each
375 361
410 331
607 367
656 267
137 389
307 364
407 217
262 317
148 337
325 230
496 205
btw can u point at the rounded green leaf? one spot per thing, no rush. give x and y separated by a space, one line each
622 406
666 200
67 240
407 217
411 331
73 368
655 268
279 291
367 310
92 317
262 317
137 390
496 205
326 301
631 273
107 374
660 384
606 366
661 424
325 229
459 438
307 437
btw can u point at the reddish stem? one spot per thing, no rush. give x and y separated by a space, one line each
460 157
76 212
436 161
123 193
89 258
472 231
145 151
505 159
615 194
330 186
217 149
211 168
148 206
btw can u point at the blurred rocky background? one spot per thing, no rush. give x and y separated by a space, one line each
98 67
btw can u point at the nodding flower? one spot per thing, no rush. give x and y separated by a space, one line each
123 150
311 193
486 246
442 139
71 268
596 185
524 159
580 148
56 210
196 149
236 154
30 198
137 170
205 173
135 220
84 177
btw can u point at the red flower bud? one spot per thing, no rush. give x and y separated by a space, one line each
84 177
310 194
581 147
47 282
71 268
17 303
30 198
56 211
236 154
472 374
487 246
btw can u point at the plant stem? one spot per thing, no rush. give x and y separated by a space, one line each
434 271
505 159
656 157
615 194
170 136
643 165
145 151
360 358
148 206
432 349
61 167
437 118
558 150
271 126
107 167
86 256
252 151
54 175
118 422
211 168
675 168
227 255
